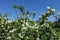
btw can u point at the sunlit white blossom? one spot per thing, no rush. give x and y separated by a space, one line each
24 21
54 33
44 14
23 25
27 37
12 30
48 7
20 35
48 11
27 16
47 25
35 24
37 38
42 25
27 20
3 28
2 21
34 27
27 23
36 30
53 10
47 33
8 37
21 20
24 28
8 26
6 30
9 21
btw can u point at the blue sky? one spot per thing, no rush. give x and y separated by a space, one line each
32 5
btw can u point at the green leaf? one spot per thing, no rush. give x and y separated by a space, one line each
21 8
15 6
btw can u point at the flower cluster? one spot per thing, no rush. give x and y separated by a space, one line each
26 29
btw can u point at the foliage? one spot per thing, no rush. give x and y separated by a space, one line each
25 29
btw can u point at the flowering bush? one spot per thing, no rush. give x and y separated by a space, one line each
25 29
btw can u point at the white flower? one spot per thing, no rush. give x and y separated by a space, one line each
47 25
8 37
37 38
43 14
27 20
8 26
35 24
12 30
48 11
36 30
20 35
21 20
48 7
27 16
2 26
47 33
54 32
9 21
34 27
5 18
26 23
27 37
42 25
24 28
6 30
53 10
2 21
23 25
